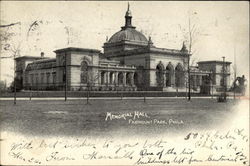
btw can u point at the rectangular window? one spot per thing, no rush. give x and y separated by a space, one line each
36 79
54 77
48 78
31 79
42 78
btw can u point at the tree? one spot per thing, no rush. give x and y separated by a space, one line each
10 46
190 35
91 79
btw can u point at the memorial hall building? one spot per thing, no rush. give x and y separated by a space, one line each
129 61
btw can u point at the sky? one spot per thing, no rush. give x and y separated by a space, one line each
221 28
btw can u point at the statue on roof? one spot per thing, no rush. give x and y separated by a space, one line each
184 47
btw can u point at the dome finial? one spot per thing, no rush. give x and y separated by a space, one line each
128 13
128 17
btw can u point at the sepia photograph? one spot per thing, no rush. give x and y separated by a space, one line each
124 83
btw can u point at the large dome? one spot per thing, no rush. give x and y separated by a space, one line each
128 31
128 34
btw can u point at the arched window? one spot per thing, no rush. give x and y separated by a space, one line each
179 76
84 72
159 75
169 74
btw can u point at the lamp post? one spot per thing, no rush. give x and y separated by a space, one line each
189 52
65 83
189 85
211 81
223 78
14 79
234 73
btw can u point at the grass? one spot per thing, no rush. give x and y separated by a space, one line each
75 118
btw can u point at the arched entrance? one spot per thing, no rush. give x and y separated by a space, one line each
179 76
169 74
159 75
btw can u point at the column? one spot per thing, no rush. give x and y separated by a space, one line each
99 77
104 78
132 79
124 78
200 80
173 79
116 78
111 78
107 77
164 78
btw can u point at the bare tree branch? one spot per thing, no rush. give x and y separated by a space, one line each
9 25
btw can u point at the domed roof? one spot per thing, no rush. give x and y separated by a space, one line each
128 34
128 31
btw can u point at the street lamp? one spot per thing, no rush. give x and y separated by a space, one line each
189 85
14 79
65 83
223 78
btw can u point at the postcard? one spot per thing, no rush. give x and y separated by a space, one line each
124 83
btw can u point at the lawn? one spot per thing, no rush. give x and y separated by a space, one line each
75 118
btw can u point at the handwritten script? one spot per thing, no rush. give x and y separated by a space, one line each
225 148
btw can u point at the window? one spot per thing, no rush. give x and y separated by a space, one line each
54 77
159 75
84 72
179 76
48 78
31 79
169 74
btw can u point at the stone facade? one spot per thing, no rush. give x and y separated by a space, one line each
129 62
220 71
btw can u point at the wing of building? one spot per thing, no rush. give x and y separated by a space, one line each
129 62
